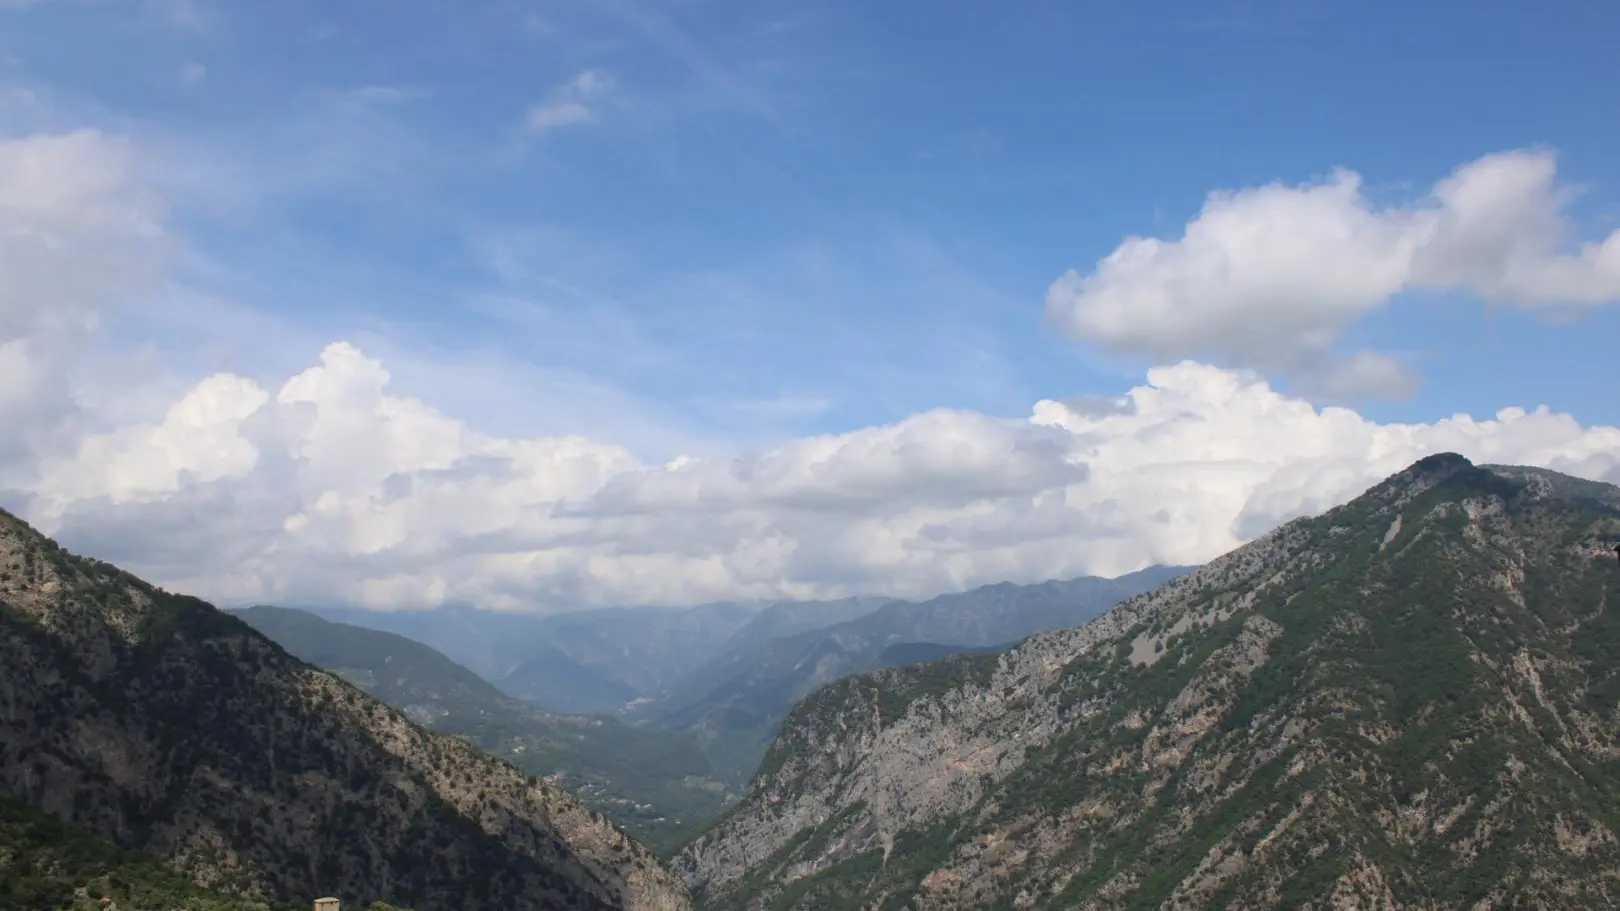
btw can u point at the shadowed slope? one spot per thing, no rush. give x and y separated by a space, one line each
167 726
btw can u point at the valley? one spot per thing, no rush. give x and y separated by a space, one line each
665 762
658 785
707 686
525 455
1408 701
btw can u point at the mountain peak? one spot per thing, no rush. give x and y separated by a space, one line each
1423 475
1441 464
1408 701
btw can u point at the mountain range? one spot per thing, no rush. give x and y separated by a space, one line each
736 700
578 663
727 674
658 785
158 724
665 766
1411 701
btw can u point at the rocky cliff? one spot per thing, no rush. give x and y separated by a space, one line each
1412 701
164 725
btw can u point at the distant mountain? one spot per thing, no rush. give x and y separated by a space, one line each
728 673
581 662
645 648
785 619
168 727
736 702
740 656
659 785
489 643
414 678
552 678
1411 701
1005 612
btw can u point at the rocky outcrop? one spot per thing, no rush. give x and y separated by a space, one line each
165 725
1409 702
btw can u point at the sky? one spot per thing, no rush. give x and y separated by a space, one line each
536 305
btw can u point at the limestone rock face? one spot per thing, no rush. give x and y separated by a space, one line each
165 725
1412 701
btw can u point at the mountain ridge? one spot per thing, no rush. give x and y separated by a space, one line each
165 725
738 705
608 656
1384 706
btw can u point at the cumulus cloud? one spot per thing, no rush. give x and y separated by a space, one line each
331 486
1268 277
573 102
1348 378
76 235
333 489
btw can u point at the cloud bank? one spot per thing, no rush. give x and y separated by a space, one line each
330 486
332 489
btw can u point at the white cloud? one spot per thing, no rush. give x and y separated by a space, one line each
198 442
1348 378
334 489
1268 277
573 102
187 15
329 485
75 236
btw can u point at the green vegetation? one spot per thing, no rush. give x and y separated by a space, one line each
897 692
658 785
1428 706
177 729
48 866
902 654
737 702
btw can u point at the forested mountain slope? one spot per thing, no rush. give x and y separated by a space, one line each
658 785
167 726
736 702
1412 701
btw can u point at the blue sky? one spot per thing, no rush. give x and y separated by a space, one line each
780 237
785 218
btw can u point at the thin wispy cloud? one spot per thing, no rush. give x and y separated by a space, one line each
193 16
573 102
381 94
680 44
539 26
